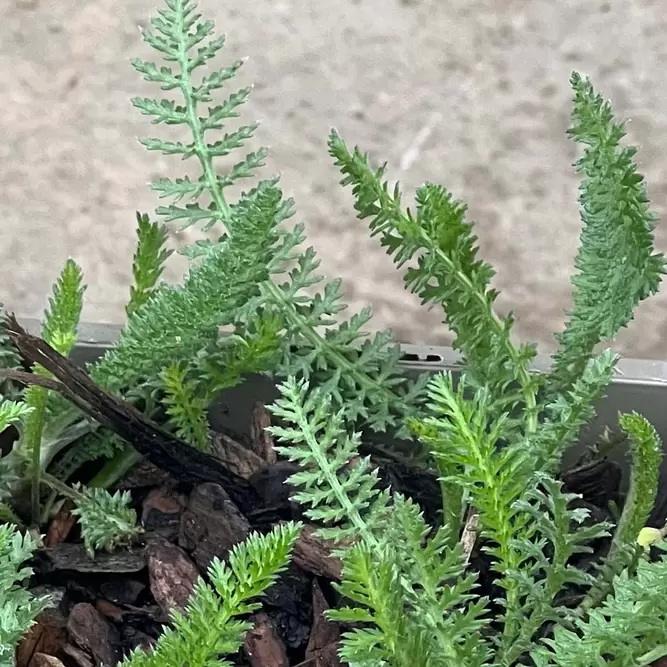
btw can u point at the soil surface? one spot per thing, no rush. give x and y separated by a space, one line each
470 93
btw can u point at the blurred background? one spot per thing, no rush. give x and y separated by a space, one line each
473 94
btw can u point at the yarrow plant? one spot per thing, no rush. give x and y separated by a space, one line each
496 435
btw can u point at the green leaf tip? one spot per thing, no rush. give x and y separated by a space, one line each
61 319
149 261
186 43
616 264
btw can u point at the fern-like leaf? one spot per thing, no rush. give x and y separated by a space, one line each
106 520
180 321
316 346
211 627
149 260
343 497
180 35
186 407
616 263
447 273
60 330
627 629
371 579
61 318
18 608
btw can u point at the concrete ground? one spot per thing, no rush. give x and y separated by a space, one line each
470 93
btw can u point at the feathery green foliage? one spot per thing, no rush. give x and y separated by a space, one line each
447 272
149 261
59 329
627 629
496 437
18 608
211 628
611 279
186 409
647 453
179 35
106 520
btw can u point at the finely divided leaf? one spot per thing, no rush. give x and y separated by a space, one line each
616 263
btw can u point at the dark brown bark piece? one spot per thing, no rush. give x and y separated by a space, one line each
109 610
322 649
122 591
262 645
261 441
186 463
211 525
239 459
161 512
48 635
61 525
172 576
93 633
136 639
67 557
146 474
274 491
46 660
598 482
288 604
313 554
77 657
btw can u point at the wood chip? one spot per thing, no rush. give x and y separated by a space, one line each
262 646
45 660
211 525
122 591
61 525
146 474
136 639
274 491
78 657
109 610
66 557
261 441
313 554
48 635
236 457
161 512
323 644
94 634
172 576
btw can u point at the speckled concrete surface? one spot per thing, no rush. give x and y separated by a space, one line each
470 93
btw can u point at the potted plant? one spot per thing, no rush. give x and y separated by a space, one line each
368 517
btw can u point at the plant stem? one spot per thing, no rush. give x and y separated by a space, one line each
37 398
62 488
117 467
201 150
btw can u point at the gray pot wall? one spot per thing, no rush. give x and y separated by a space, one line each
638 385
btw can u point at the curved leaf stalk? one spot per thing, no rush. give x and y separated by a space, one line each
447 272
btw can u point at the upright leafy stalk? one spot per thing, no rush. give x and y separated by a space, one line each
60 331
647 455
616 263
175 34
211 626
148 263
447 272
